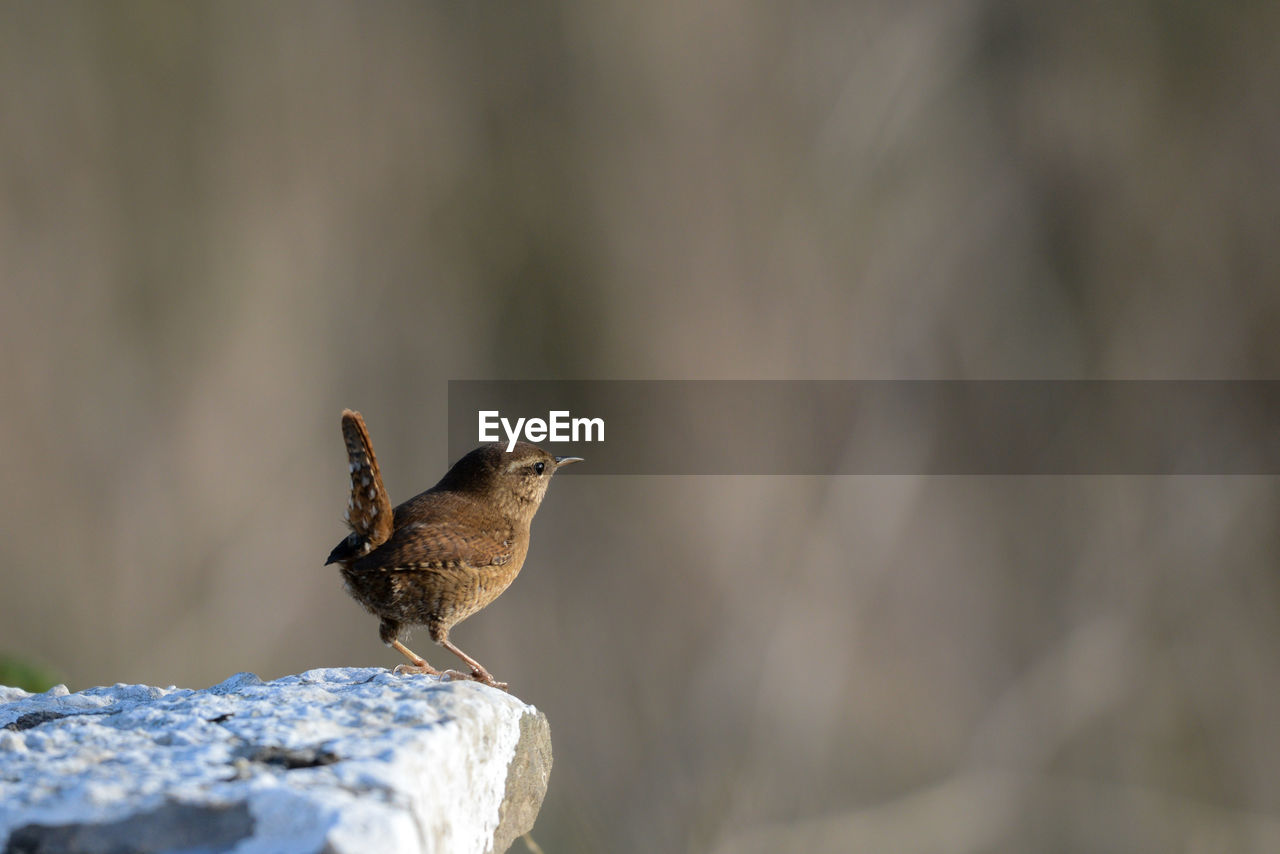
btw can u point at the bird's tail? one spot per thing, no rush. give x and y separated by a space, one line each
369 511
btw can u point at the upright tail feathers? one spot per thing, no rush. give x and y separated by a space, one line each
369 511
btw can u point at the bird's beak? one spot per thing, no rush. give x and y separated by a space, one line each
564 461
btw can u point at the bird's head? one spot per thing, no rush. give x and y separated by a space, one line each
515 480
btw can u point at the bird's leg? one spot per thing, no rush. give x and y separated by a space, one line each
478 672
418 665
389 631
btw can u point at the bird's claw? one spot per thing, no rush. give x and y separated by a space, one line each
456 675
481 676
486 678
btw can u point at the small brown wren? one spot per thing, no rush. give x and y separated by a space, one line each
445 553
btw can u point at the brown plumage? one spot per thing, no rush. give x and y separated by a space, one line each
443 554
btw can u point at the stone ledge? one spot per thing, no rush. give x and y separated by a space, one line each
338 760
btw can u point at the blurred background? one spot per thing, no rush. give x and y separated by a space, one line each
221 223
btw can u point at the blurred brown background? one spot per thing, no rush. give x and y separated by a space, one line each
220 223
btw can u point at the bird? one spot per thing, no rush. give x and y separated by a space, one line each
444 554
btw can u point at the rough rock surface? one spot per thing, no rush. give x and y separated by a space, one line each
339 760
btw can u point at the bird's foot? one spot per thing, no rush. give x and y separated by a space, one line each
481 676
455 675
423 668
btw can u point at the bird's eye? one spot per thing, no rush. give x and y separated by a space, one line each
539 467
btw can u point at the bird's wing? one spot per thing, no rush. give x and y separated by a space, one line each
434 545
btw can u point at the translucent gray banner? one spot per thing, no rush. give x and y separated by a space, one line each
923 427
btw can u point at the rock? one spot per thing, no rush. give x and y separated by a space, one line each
339 760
